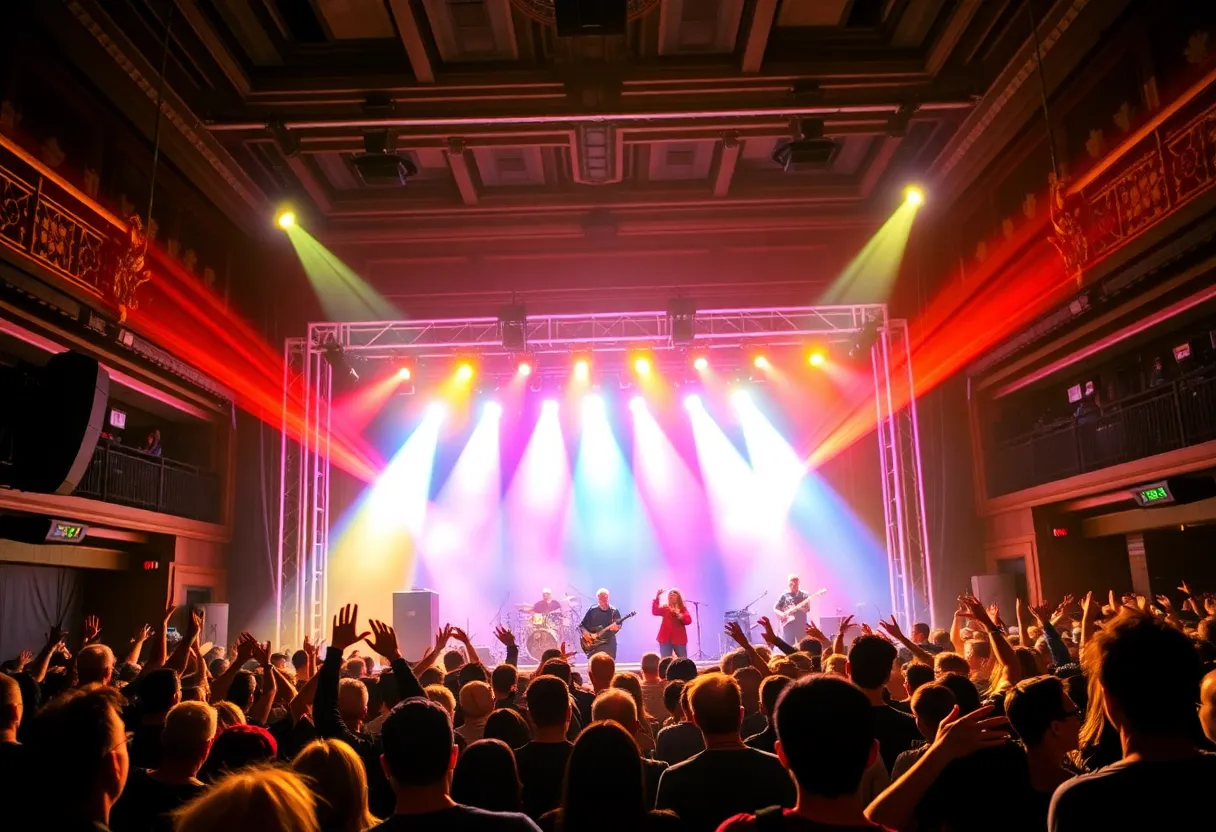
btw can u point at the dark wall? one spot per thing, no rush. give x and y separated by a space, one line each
126 600
1074 564
1177 554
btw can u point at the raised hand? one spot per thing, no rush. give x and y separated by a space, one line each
845 624
891 628
55 637
460 636
24 658
197 618
865 629
310 649
1041 612
384 640
1209 604
261 652
92 628
960 736
169 610
1089 609
566 654
1065 606
976 611
505 636
814 632
736 632
142 634
658 595
443 637
766 630
245 647
344 633
1184 588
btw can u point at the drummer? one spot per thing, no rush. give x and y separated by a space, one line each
547 602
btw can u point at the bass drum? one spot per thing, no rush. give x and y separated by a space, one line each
539 640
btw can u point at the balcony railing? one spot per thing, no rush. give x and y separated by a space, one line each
1161 419
129 477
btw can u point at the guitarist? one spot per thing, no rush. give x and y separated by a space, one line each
602 619
791 611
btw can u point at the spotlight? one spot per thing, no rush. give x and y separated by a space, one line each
817 358
492 410
286 219
525 367
700 363
404 374
464 372
549 406
641 365
693 402
914 195
336 358
436 411
637 404
582 369
760 362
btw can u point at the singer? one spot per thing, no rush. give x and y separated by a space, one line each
673 638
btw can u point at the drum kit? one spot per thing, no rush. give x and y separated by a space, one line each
536 632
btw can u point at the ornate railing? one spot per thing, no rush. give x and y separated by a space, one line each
1162 419
38 218
128 477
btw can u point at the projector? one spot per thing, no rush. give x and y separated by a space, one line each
805 154
384 170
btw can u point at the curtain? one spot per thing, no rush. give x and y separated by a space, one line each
32 598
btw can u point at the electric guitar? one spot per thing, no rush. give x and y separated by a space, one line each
596 638
784 617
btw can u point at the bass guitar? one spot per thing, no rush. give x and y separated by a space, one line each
596 638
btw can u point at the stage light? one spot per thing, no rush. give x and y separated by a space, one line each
693 402
525 368
404 374
492 410
582 369
816 358
760 362
914 195
637 404
549 406
641 365
700 363
464 372
286 219
593 403
436 410
740 397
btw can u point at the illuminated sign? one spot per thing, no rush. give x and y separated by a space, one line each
1153 494
1060 531
67 532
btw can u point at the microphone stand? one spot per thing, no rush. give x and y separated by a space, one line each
747 608
700 654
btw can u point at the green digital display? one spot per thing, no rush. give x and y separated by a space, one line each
67 532
1153 494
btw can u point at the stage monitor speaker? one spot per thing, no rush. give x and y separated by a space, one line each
60 424
416 620
1001 590
830 624
590 17
215 625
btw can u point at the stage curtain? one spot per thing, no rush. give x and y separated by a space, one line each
32 598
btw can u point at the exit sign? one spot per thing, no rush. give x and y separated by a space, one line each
1153 494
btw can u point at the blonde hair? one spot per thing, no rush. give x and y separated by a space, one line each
836 663
266 799
335 774
442 696
679 604
189 729
476 700
228 714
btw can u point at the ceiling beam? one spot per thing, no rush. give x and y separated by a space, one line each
411 39
942 48
215 47
731 148
879 162
459 163
757 35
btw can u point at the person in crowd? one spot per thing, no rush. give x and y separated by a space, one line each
950 662
419 758
152 443
815 714
389 695
299 666
836 664
476 703
228 714
335 774
922 638
352 704
728 777
604 786
632 685
601 668
542 762
770 692
79 755
14 757
676 743
870 663
681 670
183 744
262 798
440 695
507 725
671 703
754 718
486 777
1049 726
916 675
652 686
1163 774
159 691
237 748
1207 706
931 704
617 705
94 665
504 679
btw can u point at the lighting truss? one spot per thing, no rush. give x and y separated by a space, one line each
304 522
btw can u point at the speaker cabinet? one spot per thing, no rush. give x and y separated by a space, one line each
416 620
215 624
60 424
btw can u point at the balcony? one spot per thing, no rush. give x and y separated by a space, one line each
125 476
1161 419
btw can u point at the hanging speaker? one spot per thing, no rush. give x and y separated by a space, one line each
58 428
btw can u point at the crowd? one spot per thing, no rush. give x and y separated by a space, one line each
1078 717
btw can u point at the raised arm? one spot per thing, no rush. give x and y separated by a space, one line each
259 713
1055 645
771 638
137 644
181 655
384 642
956 630
470 651
838 643
655 607
1011 671
736 632
244 651
37 668
1023 622
325 706
919 654
508 640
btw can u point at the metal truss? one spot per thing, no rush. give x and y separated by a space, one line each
304 522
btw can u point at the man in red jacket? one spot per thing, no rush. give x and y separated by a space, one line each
673 638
